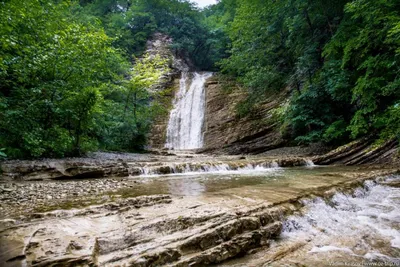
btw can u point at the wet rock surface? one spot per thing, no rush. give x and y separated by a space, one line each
358 227
217 221
25 197
363 151
128 232
100 165
94 165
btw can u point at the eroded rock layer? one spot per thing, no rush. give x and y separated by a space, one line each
83 168
226 132
363 151
161 230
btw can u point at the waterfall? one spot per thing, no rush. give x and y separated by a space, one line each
187 116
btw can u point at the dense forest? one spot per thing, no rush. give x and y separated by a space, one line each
73 76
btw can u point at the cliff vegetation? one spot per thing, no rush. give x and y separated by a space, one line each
74 76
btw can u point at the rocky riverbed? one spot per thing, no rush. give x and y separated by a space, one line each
18 198
184 219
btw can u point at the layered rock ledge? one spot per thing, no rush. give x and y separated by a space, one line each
168 230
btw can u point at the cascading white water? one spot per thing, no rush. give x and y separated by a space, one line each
210 168
187 116
364 226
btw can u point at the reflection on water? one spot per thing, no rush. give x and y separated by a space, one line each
267 183
185 187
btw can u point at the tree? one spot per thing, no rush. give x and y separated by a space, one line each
51 72
367 45
339 60
130 109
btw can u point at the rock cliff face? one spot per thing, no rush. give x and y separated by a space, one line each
166 87
226 132
158 134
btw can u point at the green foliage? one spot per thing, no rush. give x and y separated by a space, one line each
389 122
340 60
2 154
367 43
66 88
130 110
63 83
217 20
50 70
336 131
132 23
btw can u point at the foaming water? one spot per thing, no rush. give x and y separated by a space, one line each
364 225
211 168
185 126
310 163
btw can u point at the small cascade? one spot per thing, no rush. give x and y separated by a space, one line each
209 168
185 126
212 166
309 163
364 225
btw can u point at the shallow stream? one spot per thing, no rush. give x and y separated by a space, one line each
299 216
